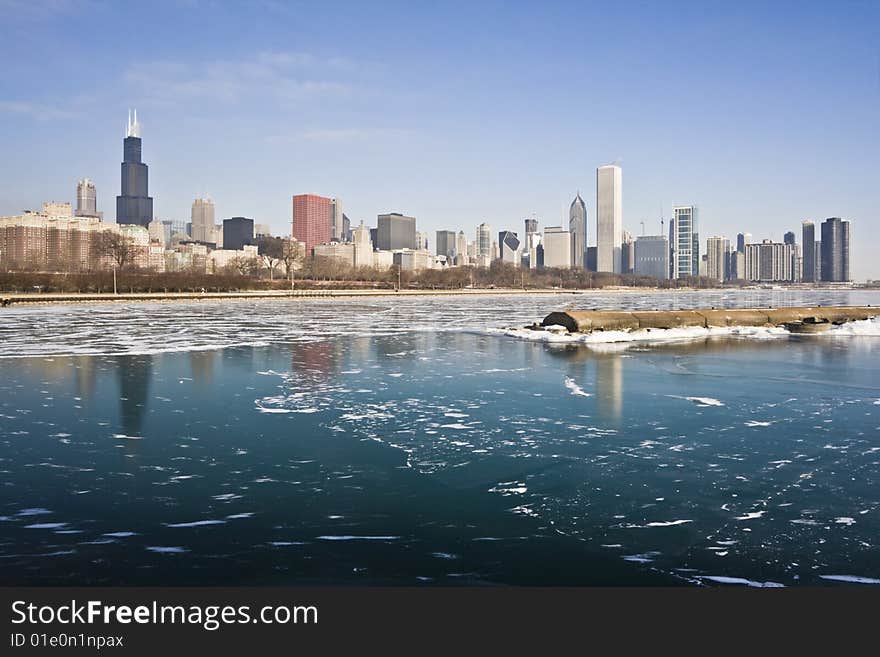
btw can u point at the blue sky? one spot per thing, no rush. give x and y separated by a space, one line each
762 114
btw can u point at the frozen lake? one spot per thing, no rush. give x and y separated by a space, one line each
419 441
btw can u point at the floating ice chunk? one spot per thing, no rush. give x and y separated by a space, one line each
36 511
844 521
166 549
721 579
358 538
46 525
853 579
576 390
699 401
667 523
197 523
757 423
120 534
751 515
237 516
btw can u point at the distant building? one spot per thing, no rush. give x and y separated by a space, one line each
684 242
577 226
627 254
363 246
652 256
134 205
591 258
337 227
87 199
789 238
509 247
809 251
202 218
446 243
396 231
237 232
262 230
741 240
484 241
346 228
311 220
835 250
462 258
718 258
769 262
609 217
413 259
557 247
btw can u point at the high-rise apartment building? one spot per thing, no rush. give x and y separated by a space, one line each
609 217
311 220
577 226
684 241
396 231
134 205
808 244
718 258
770 262
835 250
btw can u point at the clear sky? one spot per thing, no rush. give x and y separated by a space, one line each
761 113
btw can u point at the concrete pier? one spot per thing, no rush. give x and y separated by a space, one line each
587 321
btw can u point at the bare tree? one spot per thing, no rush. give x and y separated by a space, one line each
118 247
292 256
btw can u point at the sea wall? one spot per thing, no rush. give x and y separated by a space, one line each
587 321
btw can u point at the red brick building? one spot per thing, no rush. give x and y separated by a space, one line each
311 220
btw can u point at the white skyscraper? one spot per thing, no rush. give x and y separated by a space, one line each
557 247
484 241
609 217
577 226
202 218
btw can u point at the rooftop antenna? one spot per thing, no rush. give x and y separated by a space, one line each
643 227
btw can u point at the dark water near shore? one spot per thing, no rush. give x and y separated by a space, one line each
357 450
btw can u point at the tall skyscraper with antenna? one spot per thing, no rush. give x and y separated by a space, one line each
133 205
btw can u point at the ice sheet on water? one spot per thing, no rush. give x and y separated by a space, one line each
575 389
852 579
721 579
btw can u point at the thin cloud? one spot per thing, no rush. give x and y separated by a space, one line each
284 77
339 135
37 111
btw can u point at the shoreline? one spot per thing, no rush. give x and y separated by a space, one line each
40 298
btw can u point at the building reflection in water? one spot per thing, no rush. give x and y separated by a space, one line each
134 374
609 387
201 365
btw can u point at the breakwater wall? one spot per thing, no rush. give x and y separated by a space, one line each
587 321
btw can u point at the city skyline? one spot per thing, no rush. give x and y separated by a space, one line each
782 154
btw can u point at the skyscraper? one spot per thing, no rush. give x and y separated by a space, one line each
484 244
337 227
609 217
808 239
509 247
446 244
86 199
237 232
202 218
311 220
133 205
684 242
396 231
652 256
461 248
557 247
577 226
717 260
789 238
835 250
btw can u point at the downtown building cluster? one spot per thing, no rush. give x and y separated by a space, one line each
57 238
